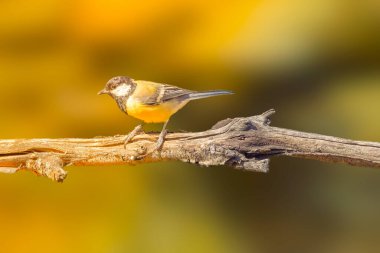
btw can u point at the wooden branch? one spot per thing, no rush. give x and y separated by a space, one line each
242 143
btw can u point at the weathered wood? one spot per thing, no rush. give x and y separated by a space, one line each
243 143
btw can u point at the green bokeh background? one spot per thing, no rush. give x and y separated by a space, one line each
316 62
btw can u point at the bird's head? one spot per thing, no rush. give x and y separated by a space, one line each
120 86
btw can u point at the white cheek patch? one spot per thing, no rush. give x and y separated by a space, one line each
122 90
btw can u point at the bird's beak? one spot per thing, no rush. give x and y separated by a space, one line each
102 92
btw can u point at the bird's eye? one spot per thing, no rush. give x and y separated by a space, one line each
113 86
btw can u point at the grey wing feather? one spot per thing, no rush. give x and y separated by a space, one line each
167 92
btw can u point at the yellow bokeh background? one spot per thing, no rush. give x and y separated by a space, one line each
316 62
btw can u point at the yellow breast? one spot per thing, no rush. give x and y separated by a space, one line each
152 113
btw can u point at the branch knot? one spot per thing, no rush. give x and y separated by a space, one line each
47 165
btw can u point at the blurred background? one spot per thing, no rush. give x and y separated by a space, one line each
316 62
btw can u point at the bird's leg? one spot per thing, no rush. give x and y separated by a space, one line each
132 134
159 143
161 137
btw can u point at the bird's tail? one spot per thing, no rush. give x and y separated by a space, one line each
206 94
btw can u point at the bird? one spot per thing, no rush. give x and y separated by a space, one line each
151 102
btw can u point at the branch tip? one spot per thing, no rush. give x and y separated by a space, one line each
8 170
265 117
268 113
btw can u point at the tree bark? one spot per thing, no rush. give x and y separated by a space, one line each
242 143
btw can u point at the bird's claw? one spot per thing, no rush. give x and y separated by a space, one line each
158 146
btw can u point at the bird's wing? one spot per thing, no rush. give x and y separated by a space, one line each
156 93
